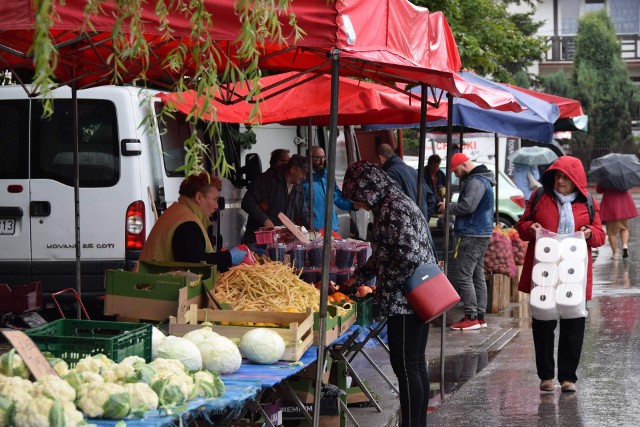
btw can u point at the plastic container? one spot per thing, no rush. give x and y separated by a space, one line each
311 275
276 251
297 255
265 237
313 255
333 274
364 309
363 252
18 299
72 340
345 255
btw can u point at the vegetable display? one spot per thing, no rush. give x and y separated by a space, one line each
271 286
183 350
519 246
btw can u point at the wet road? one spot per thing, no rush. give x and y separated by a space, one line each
506 393
490 376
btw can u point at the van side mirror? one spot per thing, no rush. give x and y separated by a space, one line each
251 169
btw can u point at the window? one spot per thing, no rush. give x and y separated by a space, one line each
569 14
14 139
173 133
98 151
625 15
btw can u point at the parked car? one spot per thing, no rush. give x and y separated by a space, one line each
511 202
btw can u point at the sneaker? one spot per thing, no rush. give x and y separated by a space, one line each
483 324
547 385
466 324
568 386
625 253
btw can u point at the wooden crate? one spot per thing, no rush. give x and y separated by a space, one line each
296 328
498 292
342 324
516 296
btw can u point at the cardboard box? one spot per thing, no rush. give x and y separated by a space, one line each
147 294
295 328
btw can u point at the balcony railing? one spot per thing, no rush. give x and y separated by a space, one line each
562 48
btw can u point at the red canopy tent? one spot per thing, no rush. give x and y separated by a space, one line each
383 40
306 102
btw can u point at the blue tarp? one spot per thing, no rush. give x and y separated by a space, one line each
535 123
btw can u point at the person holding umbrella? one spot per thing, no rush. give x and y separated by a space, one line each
616 208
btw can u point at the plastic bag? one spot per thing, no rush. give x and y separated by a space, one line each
559 276
499 256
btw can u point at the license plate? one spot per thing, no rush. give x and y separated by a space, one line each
7 226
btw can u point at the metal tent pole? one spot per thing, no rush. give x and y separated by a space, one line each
326 250
76 195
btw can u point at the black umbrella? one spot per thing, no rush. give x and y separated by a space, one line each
617 171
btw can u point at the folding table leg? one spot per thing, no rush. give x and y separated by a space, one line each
346 410
297 400
358 381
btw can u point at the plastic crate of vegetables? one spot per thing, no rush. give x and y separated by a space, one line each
71 340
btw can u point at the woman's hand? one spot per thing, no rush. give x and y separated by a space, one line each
587 232
535 226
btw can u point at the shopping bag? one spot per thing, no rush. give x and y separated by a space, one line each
429 292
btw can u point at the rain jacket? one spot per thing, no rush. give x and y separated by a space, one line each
406 179
400 235
319 195
616 204
475 207
267 197
547 214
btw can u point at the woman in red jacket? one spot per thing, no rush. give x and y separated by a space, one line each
616 208
562 209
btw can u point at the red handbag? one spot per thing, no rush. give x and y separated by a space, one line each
429 292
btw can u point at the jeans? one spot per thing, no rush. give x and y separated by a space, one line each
407 336
467 274
569 347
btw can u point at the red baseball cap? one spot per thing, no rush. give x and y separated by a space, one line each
458 159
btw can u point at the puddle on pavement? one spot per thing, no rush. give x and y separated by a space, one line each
458 369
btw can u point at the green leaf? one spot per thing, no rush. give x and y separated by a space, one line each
117 406
56 415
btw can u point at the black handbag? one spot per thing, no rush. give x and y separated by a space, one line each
429 292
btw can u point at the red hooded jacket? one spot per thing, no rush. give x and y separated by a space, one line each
547 214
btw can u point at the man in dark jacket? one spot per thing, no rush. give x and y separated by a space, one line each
473 227
276 190
406 178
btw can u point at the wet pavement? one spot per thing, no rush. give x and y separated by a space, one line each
490 375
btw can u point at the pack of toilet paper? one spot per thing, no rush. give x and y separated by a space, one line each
559 276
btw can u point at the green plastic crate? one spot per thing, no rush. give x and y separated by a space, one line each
364 307
72 340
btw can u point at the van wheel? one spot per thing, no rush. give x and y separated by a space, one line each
505 222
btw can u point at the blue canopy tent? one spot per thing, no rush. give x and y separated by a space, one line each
535 123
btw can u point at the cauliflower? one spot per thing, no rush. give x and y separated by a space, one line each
208 384
105 400
60 366
143 398
12 365
93 363
44 412
171 373
132 360
9 384
167 366
54 388
78 379
118 373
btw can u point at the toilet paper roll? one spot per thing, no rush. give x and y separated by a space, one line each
545 274
547 250
570 300
572 248
543 303
571 271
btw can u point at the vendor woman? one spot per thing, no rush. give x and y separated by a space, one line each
180 234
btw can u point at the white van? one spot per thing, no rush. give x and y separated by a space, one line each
123 166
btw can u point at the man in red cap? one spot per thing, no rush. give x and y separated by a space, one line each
474 212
